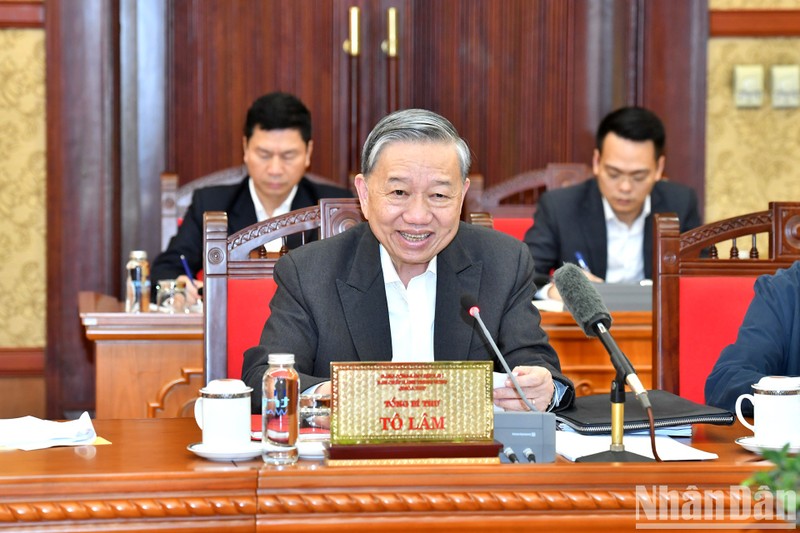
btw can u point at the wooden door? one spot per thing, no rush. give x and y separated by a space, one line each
226 54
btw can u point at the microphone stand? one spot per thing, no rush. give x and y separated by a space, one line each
616 452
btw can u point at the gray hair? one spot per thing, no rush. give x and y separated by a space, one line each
413 125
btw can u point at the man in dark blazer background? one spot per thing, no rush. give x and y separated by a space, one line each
605 224
277 149
391 289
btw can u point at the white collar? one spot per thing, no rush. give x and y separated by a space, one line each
261 213
609 214
390 272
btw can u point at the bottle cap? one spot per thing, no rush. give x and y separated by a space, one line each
138 254
281 358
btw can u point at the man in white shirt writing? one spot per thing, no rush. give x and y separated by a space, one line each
605 224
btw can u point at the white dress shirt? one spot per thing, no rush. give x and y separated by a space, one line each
412 311
261 213
624 248
625 245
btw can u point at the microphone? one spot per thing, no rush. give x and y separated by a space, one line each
587 308
471 305
534 430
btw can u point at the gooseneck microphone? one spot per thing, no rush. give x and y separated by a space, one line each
471 305
587 308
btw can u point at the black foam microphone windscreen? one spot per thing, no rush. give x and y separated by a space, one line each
581 299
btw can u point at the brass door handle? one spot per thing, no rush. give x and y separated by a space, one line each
352 44
389 46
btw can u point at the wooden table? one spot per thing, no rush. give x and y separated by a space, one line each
148 480
147 364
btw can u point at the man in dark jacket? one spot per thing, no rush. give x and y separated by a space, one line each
605 225
277 152
392 288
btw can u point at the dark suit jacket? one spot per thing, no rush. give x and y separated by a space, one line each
331 306
571 220
237 202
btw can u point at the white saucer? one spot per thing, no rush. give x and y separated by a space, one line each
750 444
250 451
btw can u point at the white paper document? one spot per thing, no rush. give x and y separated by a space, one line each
572 445
31 433
555 306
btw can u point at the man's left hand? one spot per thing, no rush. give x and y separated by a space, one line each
537 384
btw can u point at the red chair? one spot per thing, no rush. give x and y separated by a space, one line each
238 278
512 203
699 302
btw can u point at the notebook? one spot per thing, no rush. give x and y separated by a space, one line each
626 296
591 414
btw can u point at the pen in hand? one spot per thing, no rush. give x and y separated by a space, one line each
188 271
581 262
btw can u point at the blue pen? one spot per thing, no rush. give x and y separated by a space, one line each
188 272
581 261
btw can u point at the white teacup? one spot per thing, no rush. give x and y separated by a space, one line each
223 413
776 411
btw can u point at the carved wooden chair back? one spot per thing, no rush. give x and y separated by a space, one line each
699 299
512 203
238 282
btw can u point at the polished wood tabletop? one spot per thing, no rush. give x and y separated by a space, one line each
146 479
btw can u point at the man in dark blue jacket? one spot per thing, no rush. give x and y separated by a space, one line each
768 343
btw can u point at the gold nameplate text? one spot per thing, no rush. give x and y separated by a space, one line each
448 401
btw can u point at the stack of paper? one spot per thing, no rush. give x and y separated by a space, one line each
31 433
555 306
573 445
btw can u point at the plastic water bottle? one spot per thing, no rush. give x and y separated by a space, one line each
279 405
137 296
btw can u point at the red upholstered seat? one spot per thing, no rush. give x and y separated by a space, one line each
711 312
516 227
248 310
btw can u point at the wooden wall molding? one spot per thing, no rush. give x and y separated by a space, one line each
754 23
21 14
21 362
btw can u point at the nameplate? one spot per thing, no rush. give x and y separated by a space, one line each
405 402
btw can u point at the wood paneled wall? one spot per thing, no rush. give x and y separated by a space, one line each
22 381
524 81
83 199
